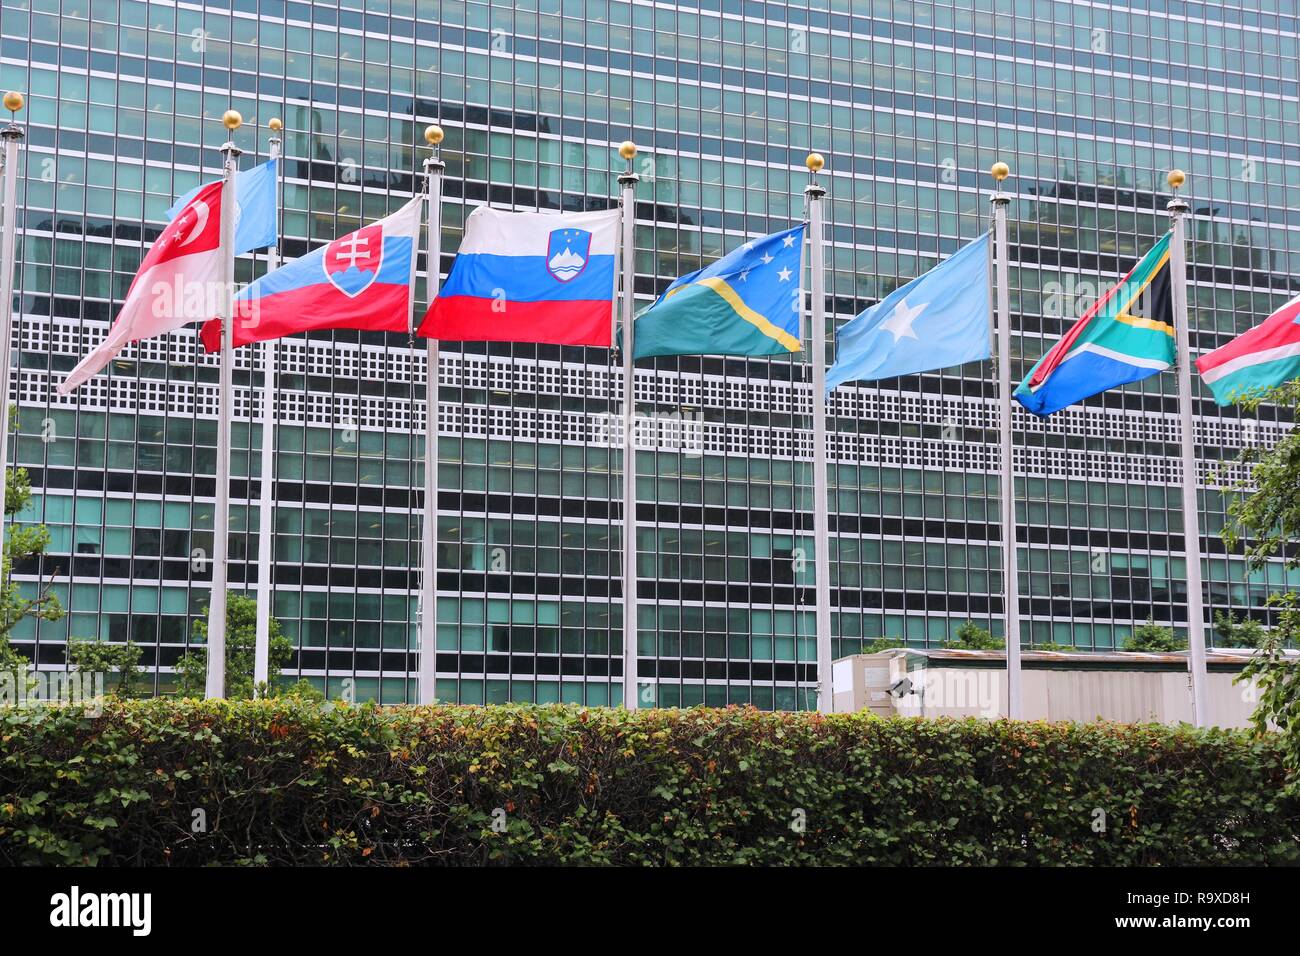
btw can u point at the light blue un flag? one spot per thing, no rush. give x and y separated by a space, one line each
937 320
256 227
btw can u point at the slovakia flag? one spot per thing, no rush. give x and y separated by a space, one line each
361 281
529 277
178 283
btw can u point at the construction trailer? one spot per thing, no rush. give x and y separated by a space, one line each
1123 686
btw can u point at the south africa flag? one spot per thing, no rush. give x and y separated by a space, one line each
1125 337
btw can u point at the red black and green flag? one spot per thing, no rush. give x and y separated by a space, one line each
1255 361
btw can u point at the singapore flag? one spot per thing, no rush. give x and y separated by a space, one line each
178 283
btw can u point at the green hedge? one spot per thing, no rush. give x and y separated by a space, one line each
288 781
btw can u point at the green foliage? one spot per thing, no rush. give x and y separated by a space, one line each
972 637
1263 519
284 781
1154 638
1264 506
1277 681
304 690
21 544
241 636
1053 646
882 644
1231 632
100 657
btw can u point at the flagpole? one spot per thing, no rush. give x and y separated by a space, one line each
627 180
814 193
12 135
216 681
265 526
433 170
1178 209
1010 559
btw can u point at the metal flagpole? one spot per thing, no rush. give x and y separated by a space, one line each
1010 562
266 506
814 193
216 683
433 170
11 134
1178 209
627 180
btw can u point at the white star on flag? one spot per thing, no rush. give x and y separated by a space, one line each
899 323
789 241
785 275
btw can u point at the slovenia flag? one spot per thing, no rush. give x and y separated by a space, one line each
529 277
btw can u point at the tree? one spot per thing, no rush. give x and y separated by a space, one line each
1277 684
972 637
22 544
1263 518
881 644
1153 637
100 657
241 634
1233 633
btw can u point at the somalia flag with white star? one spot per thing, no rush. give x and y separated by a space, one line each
747 303
937 320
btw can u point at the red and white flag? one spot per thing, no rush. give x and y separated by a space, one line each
178 283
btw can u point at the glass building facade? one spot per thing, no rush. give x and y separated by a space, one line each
910 101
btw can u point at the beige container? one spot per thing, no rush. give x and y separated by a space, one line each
1124 687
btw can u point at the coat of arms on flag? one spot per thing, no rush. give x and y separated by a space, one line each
352 263
566 255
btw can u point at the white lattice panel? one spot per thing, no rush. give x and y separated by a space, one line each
132 393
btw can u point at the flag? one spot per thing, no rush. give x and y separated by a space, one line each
257 222
1267 355
939 319
360 281
177 283
529 277
1126 336
747 303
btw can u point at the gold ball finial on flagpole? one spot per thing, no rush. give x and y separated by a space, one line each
999 171
1176 178
815 162
433 134
232 120
14 101
275 125
627 149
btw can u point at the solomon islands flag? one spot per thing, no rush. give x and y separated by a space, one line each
1126 336
529 277
360 281
747 303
